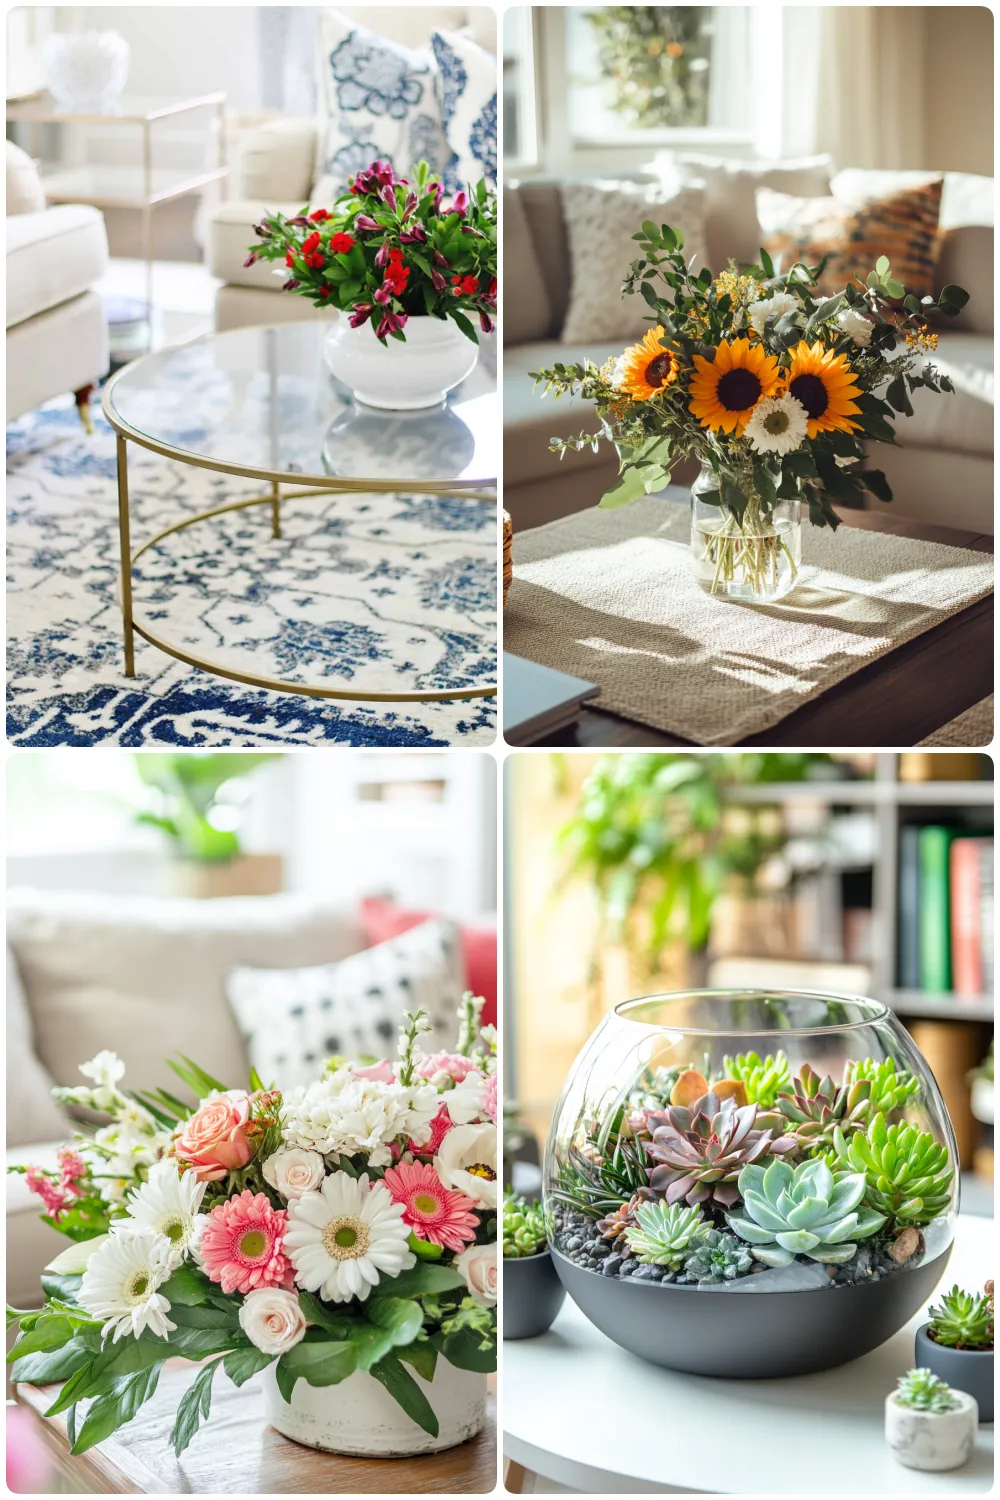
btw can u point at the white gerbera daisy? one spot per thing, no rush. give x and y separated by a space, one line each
167 1203
774 307
855 326
343 1237
778 425
467 1161
120 1285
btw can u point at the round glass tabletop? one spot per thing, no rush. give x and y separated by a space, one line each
260 401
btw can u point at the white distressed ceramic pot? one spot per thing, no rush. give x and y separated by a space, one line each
931 1440
85 71
396 376
359 1418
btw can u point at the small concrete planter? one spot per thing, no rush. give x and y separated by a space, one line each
532 1295
969 1370
931 1440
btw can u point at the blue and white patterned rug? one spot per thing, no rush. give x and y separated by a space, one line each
371 592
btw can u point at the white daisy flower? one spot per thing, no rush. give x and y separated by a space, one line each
855 326
344 1237
120 1285
465 1100
166 1204
774 307
778 425
467 1161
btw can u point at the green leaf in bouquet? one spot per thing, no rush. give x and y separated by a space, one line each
189 1287
63 1287
200 1082
241 1364
763 483
882 267
733 497
821 512
193 1407
465 326
419 1281
285 1378
631 485
825 311
322 1362
895 289
401 1319
463 1349
649 295
206 1316
118 1406
896 395
423 1356
876 482
46 1365
403 1388
423 1249
952 299
706 488
51 1331
766 263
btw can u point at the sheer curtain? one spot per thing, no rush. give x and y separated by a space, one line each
289 40
870 105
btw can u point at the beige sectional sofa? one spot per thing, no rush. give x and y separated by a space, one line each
942 469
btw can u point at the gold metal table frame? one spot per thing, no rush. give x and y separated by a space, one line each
311 486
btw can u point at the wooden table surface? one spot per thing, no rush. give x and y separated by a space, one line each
236 1452
893 703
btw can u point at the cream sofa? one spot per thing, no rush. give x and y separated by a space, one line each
57 337
942 469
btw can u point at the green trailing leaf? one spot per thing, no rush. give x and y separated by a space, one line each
464 1350
896 395
241 1364
423 1357
325 1362
630 486
403 1388
53 1364
876 483
285 1378
194 1407
116 1407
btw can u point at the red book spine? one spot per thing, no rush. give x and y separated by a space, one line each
966 951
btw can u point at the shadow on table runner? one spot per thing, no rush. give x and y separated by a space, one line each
609 596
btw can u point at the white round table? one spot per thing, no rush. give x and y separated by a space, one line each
579 1411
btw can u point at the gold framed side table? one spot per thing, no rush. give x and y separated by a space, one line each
259 403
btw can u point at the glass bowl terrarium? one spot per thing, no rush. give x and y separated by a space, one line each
750 1183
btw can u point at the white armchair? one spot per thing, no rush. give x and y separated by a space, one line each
57 336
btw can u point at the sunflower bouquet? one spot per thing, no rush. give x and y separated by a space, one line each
343 1231
771 386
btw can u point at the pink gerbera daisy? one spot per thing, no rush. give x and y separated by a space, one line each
241 1245
434 1212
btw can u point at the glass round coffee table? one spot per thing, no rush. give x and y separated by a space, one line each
417 623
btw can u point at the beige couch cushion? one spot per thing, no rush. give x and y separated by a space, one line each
961 422
146 978
531 420
52 256
230 235
731 226
55 352
527 313
24 188
32 1113
542 204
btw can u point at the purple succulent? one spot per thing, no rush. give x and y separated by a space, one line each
699 1152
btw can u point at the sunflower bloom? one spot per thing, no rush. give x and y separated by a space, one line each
823 382
647 367
724 391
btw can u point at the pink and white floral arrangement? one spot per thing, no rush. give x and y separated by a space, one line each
343 1227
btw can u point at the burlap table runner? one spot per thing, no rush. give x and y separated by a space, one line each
609 596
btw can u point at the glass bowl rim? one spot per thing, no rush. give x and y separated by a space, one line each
879 1011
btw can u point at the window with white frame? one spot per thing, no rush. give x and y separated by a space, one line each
519 133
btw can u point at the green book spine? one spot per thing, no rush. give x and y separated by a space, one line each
935 914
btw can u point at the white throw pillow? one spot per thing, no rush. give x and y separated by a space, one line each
24 187
732 230
466 86
600 222
379 102
292 1020
32 1113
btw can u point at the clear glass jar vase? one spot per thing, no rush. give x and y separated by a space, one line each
756 559
683 1104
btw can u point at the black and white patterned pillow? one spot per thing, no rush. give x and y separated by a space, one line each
292 1020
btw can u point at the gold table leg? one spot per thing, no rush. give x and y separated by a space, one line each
275 508
125 546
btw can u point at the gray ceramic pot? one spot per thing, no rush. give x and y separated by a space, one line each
969 1370
532 1295
749 1334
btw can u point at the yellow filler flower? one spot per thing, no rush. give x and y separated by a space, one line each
823 382
647 367
724 391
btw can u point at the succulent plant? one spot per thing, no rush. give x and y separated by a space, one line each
596 1184
922 1390
523 1227
762 1077
804 1210
699 1152
890 1090
718 1257
962 1320
908 1172
815 1106
664 1233
613 1226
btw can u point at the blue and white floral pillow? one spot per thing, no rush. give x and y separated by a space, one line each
467 97
380 101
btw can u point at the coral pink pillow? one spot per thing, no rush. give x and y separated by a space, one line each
382 920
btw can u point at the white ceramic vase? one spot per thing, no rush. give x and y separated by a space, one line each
85 71
931 1440
358 1417
396 376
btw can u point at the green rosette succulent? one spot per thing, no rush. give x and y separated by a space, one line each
814 1107
663 1235
805 1210
908 1173
889 1090
718 1257
922 1390
762 1078
523 1227
962 1320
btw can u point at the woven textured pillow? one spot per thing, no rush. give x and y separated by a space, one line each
853 233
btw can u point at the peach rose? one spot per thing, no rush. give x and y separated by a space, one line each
214 1140
478 1265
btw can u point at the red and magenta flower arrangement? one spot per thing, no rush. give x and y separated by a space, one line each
392 248
344 1228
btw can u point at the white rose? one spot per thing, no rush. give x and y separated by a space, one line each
855 326
478 1265
272 1320
465 1100
467 1161
293 1171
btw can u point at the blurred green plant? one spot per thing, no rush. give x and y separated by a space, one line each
188 787
655 61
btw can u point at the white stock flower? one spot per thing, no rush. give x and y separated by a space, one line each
341 1115
774 307
855 326
166 1204
465 1100
778 425
467 1161
105 1069
120 1285
478 1264
272 1319
344 1237
293 1171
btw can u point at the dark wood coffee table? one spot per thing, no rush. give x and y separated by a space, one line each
894 702
237 1453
